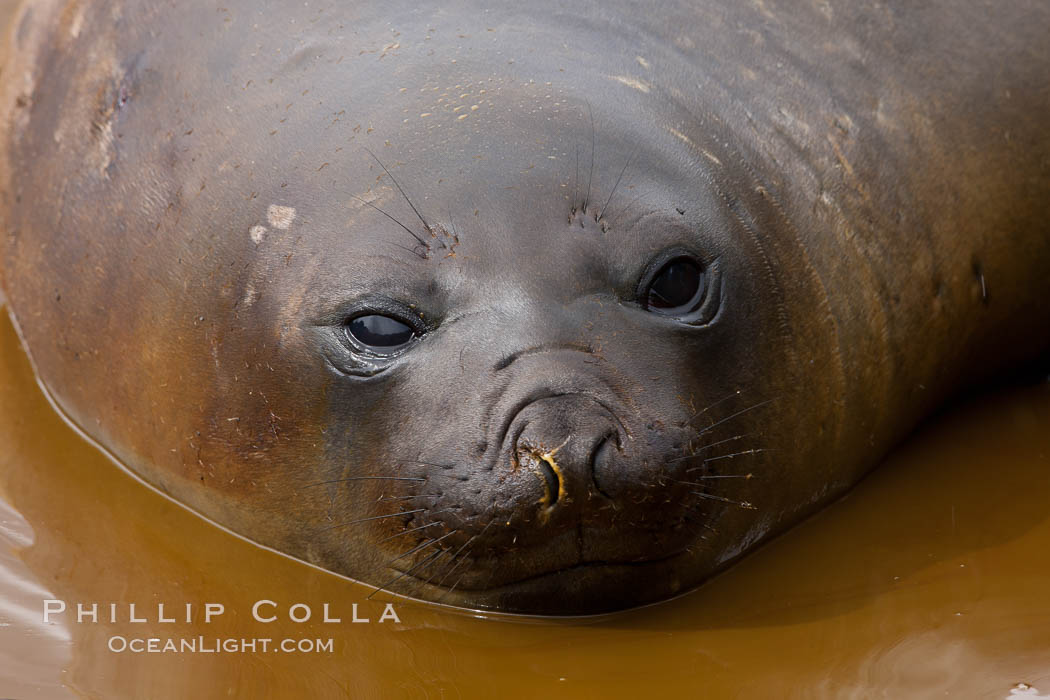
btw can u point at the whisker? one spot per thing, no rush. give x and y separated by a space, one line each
405 532
698 450
364 478
382 567
451 222
629 159
425 545
743 504
433 464
459 551
576 181
405 573
410 231
448 571
429 578
628 206
455 234
405 248
709 407
721 442
373 517
590 177
449 591
426 226
405 498
738 454
453 587
734 415
745 477
419 583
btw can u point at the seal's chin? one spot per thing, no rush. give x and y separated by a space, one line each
584 588
501 556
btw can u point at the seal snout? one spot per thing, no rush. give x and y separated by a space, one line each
565 440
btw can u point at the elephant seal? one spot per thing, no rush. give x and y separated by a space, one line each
553 309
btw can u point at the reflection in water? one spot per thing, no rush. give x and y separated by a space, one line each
32 654
931 577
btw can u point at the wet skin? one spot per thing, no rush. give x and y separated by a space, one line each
660 286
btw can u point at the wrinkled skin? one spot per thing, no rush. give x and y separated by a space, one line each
196 201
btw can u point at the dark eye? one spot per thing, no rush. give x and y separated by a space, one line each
677 288
380 334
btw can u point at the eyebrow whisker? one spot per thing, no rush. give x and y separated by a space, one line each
426 226
590 177
629 159
410 231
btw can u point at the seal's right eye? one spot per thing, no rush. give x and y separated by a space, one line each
379 334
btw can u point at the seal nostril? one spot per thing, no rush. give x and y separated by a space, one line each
601 461
553 482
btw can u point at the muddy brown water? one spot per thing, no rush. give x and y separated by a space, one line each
930 579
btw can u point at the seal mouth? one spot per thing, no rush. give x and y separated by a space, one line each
532 578
583 588
537 567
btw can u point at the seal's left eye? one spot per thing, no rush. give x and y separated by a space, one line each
677 288
382 335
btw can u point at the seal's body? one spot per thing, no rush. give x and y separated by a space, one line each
550 308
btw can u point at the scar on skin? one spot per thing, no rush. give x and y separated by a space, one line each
707 154
257 233
631 82
77 23
682 136
710 156
249 293
280 216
